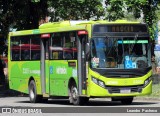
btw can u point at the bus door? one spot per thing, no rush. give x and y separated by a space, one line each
82 77
45 64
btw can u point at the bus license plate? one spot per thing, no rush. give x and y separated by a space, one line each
125 90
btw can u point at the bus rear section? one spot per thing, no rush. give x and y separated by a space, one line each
120 63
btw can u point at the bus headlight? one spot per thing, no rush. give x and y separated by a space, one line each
98 82
95 80
146 82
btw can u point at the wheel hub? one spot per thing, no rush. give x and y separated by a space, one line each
32 95
74 93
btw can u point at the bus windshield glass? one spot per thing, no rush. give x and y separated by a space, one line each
121 53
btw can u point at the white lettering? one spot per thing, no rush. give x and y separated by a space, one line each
34 111
25 70
61 70
133 110
149 110
137 81
29 71
34 71
112 82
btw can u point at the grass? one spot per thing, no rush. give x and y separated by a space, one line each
155 87
155 91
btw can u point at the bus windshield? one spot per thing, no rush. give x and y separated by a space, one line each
120 52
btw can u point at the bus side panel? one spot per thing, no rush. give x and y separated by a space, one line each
20 73
60 75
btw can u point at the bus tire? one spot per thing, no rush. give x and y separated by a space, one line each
127 101
74 97
34 98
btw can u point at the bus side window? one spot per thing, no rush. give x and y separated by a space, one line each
36 56
15 57
25 47
25 55
70 46
63 46
56 46
35 48
67 56
15 48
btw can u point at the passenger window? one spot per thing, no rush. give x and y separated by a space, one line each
25 47
35 48
15 48
63 46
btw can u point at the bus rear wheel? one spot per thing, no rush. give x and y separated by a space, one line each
34 98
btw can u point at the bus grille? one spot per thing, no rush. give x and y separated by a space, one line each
124 89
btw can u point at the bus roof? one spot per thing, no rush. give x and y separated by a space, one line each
48 30
69 25
79 22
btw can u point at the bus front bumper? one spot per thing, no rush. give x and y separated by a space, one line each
112 91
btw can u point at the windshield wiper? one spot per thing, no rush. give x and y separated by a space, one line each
135 38
112 47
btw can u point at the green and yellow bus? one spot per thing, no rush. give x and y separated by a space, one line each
79 60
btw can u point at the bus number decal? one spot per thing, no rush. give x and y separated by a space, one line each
61 70
29 71
26 70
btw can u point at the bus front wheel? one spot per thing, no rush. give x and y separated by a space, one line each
34 98
74 97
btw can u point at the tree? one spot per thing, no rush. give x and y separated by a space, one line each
26 14
22 14
117 9
76 9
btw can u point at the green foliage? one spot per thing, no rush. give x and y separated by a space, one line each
158 12
115 9
76 9
118 9
22 14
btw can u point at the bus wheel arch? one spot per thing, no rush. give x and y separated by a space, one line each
70 82
31 78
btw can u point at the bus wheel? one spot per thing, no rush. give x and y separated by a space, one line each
74 98
73 95
34 98
127 101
